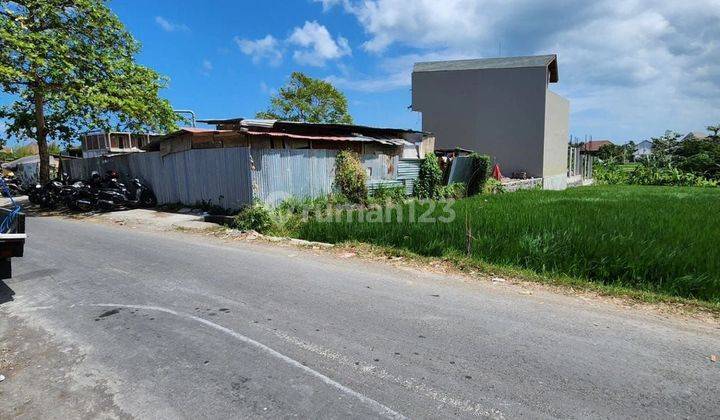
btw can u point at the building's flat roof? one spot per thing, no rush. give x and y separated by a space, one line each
548 61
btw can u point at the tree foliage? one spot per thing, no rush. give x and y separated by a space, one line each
617 152
308 100
714 129
69 66
688 162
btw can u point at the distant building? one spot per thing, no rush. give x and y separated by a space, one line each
498 106
643 149
100 143
593 146
695 135
27 168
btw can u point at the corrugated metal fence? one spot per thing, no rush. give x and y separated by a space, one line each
283 173
217 176
232 177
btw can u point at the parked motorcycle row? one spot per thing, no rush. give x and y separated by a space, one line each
99 193
14 185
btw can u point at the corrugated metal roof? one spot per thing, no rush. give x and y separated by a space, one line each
292 125
195 130
549 61
221 121
359 138
249 122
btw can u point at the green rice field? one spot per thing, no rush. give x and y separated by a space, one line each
664 240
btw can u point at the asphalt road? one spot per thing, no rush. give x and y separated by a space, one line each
116 322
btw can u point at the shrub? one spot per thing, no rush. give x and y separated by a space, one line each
610 173
650 173
384 194
256 217
430 179
493 186
481 168
455 191
350 177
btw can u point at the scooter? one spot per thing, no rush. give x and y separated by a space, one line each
46 196
14 185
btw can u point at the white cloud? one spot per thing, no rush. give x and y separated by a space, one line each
640 64
207 67
268 90
312 45
263 49
317 45
168 26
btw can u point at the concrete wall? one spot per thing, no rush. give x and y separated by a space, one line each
557 120
500 112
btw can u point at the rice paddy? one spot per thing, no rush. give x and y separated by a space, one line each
658 239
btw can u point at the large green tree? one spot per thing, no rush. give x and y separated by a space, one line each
309 100
69 65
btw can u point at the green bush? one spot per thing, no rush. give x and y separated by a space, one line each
430 179
350 177
649 173
481 168
493 186
454 191
610 173
256 217
384 194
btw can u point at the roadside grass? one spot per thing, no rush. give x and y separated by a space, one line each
653 243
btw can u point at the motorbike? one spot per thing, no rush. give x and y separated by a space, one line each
14 185
108 193
47 195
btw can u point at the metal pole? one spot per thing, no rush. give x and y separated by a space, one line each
186 111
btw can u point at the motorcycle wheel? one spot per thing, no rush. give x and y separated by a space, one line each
147 199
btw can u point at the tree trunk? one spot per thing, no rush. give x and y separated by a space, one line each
42 137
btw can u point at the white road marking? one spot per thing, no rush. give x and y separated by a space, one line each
378 407
411 384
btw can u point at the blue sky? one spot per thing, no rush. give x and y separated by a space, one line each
199 45
631 69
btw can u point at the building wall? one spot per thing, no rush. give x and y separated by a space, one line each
557 120
500 112
644 148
